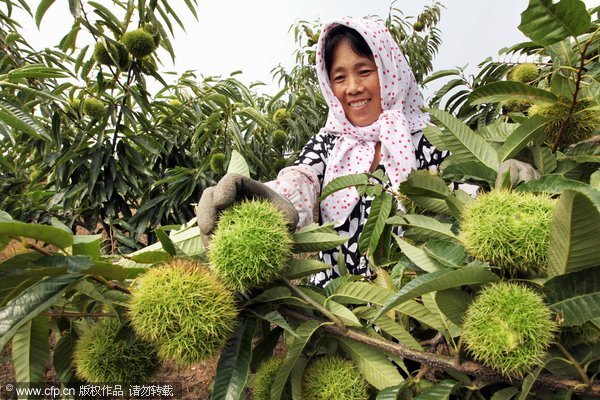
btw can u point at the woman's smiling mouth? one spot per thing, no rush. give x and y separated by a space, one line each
358 104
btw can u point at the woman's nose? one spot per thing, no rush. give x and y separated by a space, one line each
354 86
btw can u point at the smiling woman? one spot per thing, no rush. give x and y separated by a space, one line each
374 123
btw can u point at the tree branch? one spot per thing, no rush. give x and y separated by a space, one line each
552 382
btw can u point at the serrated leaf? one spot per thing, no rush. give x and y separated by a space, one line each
273 316
44 233
272 294
165 241
455 169
30 303
517 141
450 254
372 363
310 242
363 293
551 184
496 92
463 142
505 394
19 119
545 22
30 351
62 357
234 364
87 245
422 227
304 267
238 165
381 207
574 239
389 326
453 303
304 333
347 316
418 256
423 183
441 391
343 182
575 296
150 257
440 280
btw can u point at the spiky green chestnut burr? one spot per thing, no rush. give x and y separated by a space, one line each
510 230
264 378
516 105
250 245
584 121
94 108
102 56
279 138
333 378
217 163
279 115
102 355
184 309
524 73
138 42
508 328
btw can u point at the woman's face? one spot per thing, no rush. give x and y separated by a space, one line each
355 83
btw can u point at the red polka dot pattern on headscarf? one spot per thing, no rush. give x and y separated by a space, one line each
401 103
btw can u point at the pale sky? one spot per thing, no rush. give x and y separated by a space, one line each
254 36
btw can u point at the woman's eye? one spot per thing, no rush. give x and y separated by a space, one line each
338 78
365 72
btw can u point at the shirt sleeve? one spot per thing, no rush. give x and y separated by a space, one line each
301 182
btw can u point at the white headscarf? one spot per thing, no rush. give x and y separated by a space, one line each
401 100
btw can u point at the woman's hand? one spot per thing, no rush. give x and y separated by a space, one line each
233 188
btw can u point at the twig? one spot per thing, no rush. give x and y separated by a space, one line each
111 284
552 382
71 314
573 361
563 126
338 322
37 248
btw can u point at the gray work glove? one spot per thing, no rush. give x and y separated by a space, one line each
233 188
518 172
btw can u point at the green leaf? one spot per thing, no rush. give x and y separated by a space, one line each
423 183
87 245
21 120
304 267
44 233
439 280
304 333
238 164
310 242
517 141
30 351
496 92
575 296
422 227
150 257
551 184
441 391
347 316
273 316
418 256
389 326
62 357
453 303
505 394
165 241
343 182
381 207
234 363
41 10
272 294
545 22
574 239
455 169
372 363
30 303
363 293
463 142
451 254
